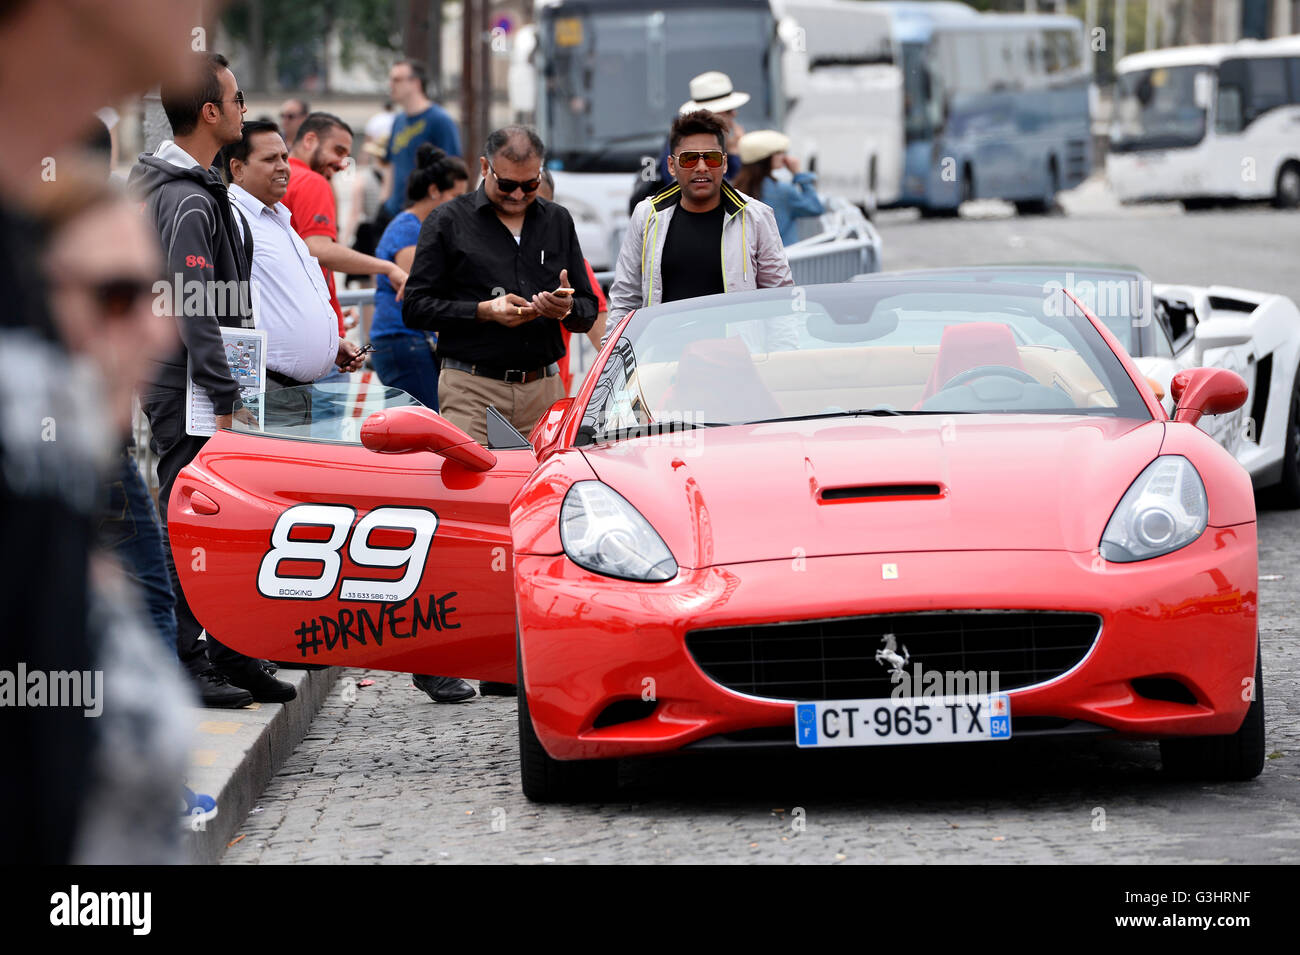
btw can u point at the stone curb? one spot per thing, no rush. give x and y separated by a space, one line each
236 752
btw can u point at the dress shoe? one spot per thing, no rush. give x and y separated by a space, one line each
215 690
491 688
264 687
443 689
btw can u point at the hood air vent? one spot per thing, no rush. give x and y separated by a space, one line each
878 492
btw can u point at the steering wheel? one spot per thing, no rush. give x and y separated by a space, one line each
983 371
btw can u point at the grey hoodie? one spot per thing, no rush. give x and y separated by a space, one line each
207 273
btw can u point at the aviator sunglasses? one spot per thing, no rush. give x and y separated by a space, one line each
712 158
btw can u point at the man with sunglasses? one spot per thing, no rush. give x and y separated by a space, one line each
186 201
672 245
496 273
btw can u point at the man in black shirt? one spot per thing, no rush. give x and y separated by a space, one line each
691 264
488 275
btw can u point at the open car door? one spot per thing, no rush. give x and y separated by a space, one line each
297 542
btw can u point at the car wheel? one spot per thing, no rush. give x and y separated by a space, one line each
1236 757
1287 491
555 780
1287 195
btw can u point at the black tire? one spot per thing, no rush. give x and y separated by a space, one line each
1222 758
1287 492
1045 205
554 780
1286 193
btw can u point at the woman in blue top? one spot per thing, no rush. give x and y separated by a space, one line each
406 358
761 152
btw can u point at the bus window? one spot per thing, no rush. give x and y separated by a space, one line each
1293 67
1267 86
1227 112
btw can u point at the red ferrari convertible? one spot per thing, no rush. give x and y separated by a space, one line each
877 513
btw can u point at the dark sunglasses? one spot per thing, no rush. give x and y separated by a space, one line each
712 158
239 99
116 296
510 185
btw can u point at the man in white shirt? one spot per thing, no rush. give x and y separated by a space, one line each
292 303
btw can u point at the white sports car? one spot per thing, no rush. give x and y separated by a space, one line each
1167 328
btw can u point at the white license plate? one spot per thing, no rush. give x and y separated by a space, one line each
892 722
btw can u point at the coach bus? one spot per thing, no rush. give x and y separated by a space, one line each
995 106
1204 123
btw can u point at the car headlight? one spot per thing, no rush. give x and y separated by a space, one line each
605 534
1163 510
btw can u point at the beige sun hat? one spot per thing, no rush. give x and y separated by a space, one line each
713 91
763 143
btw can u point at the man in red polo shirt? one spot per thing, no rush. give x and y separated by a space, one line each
320 149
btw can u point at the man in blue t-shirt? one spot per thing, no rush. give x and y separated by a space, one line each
420 120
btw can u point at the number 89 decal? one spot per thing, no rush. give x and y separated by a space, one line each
338 518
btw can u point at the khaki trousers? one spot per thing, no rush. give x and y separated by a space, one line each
463 400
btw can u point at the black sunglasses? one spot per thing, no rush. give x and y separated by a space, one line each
510 185
117 296
239 99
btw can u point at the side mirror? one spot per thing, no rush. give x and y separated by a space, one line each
547 429
404 430
1202 391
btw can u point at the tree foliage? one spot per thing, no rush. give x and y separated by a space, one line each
296 30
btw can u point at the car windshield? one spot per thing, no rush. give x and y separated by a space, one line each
327 411
887 347
1121 299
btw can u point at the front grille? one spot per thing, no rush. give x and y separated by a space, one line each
836 659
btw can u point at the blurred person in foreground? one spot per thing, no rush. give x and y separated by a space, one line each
103 263
762 152
597 331
47 487
209 274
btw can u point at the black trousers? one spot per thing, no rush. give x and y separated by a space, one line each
165 409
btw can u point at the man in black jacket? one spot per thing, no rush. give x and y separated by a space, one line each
495 273
208 274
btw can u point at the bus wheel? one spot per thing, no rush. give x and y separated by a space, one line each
1045 205
1288 186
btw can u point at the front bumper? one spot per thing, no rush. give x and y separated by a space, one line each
597 650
